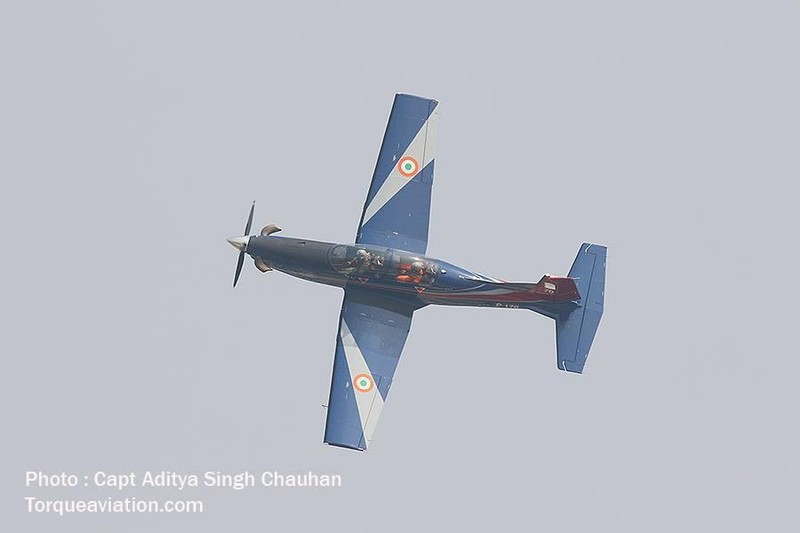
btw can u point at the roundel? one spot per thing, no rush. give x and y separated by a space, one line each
363 383
408 166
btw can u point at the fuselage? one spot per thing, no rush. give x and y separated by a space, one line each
405 274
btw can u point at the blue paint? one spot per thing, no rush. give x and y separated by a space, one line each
386 276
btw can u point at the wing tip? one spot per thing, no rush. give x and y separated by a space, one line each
345 446
416 96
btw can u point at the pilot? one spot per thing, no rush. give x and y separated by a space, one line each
417 271
402 272
411 273
361 261
362 255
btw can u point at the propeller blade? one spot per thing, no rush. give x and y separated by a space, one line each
240 243
250 219
238 268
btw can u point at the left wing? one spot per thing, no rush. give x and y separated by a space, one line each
397 209
372 332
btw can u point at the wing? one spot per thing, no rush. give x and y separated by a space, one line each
372 332
398 204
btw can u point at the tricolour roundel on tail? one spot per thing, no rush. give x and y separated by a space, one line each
576 327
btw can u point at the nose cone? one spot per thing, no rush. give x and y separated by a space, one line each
240 243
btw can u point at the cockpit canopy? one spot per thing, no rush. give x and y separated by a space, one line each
357 261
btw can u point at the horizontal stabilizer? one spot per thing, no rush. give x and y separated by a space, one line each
576 327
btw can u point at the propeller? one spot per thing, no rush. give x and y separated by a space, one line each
243 249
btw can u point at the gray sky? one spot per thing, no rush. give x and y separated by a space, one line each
132 140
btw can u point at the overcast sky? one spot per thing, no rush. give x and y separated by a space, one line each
133 139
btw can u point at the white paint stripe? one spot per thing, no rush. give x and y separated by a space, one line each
370 404
479 291
422 148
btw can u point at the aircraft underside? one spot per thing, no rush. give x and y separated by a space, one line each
386 276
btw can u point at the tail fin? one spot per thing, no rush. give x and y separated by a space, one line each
576 327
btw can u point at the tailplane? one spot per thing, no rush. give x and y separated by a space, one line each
577 322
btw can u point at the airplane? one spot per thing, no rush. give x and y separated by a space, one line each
387 276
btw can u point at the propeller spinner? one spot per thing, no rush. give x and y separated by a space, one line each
241 243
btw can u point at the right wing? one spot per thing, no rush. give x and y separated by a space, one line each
397 210
372 332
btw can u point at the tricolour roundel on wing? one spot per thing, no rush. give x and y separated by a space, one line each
363 383
408 166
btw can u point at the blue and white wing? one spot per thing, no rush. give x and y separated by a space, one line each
397 209
372 332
